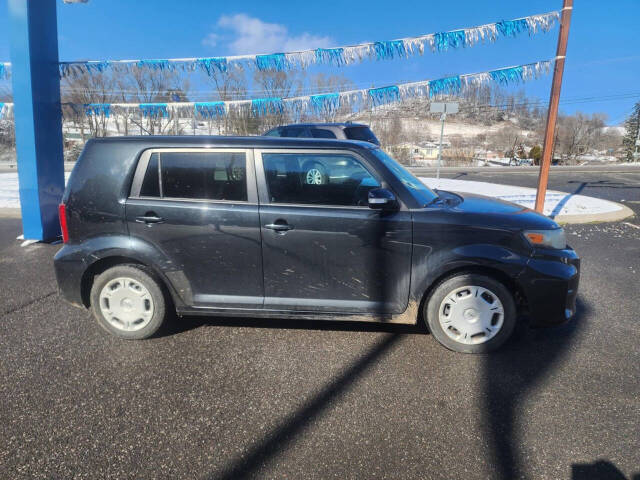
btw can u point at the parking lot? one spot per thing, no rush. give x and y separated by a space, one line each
245 398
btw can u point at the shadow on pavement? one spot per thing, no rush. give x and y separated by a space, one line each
601 470
510 374
605 184
279 438
187 323
558 208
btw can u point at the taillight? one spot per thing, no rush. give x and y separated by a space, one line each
62 213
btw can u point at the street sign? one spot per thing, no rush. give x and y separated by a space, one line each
442 107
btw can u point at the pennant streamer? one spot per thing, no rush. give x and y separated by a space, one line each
331 102
4 70
154 110
210 109
339 56
97 109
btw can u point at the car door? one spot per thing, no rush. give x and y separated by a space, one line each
324 249
198 208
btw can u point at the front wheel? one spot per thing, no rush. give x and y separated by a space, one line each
471 313
128 302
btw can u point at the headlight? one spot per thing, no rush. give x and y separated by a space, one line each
546 238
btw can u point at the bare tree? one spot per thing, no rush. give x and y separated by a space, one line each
155 86
275 84
321 84
82 89
230 85
579 133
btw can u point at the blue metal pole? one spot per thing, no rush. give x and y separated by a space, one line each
33 41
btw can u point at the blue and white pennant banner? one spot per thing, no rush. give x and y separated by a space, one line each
331 102
4 109
337 56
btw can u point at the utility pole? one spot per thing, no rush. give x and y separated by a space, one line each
636 154
443 117
552 114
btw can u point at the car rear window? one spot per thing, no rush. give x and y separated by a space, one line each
196 175
361 133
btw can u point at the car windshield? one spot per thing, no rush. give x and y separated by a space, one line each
423 194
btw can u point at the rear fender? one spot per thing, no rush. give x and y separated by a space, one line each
97 250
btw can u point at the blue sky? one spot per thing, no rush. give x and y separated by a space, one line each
603 60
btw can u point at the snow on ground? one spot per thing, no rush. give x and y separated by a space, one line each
555 204
9 197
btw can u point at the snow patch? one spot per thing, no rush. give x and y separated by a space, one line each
555 204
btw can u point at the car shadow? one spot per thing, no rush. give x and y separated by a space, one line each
190 322
601 470
278 439
510 374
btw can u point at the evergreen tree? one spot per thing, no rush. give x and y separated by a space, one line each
535 154
631 125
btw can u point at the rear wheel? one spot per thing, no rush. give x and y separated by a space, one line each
128 302
471 313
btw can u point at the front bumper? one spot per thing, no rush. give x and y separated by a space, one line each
550 283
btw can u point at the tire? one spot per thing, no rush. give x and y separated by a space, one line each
314 173
136 309
483 318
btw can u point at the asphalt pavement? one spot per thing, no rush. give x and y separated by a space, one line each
244 398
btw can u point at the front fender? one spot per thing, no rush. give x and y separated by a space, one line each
428 266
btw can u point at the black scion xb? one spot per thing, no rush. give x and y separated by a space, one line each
237 226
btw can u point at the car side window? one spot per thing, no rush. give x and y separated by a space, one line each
295 132
196 175
273 133
317 179
322 133
151 183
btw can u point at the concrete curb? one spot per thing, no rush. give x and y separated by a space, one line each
10 213
616 216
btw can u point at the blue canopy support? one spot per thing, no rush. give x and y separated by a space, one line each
33 39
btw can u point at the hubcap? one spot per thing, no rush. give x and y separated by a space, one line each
314 177
126 304
471 315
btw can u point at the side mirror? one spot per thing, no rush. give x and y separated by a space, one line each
382 199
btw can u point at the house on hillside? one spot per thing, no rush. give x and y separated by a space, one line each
423 153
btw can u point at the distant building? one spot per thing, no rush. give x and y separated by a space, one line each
423 153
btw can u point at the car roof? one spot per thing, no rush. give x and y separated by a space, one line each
328 124
149 141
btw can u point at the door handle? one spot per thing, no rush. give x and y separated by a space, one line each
149 219
279 227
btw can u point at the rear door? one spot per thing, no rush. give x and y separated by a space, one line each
323 248
198 208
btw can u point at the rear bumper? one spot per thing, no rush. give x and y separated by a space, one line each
550 283
70 266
